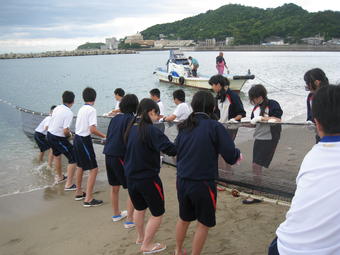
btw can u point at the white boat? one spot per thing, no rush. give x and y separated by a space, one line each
178 72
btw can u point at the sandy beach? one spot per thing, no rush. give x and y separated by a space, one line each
50 222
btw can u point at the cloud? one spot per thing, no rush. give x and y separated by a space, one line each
65 22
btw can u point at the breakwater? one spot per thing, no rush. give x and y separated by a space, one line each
64 53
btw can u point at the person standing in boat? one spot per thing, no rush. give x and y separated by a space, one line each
228 105
221 63
194 66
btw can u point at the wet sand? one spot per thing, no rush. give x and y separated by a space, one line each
50 222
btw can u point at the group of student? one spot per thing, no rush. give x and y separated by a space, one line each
133 147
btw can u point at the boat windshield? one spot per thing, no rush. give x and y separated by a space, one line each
182 61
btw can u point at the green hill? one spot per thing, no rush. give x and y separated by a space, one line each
90 46
250 25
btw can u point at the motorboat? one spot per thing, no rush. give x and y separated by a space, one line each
178 71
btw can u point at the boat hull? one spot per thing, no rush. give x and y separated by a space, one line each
202 82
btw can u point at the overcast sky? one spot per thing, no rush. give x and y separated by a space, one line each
40 25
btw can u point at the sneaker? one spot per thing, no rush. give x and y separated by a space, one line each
129 224
61 180
94 202
120 216
72 187
80 197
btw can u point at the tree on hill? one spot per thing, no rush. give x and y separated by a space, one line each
250 25
90 46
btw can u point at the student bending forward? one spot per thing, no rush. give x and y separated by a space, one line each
142 166
199 142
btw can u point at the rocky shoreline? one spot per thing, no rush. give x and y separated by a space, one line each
64 53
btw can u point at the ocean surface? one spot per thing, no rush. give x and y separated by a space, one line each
37 84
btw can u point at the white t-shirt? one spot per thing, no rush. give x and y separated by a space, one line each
117 105
161 108
61 118
182 111
87 117
43 125
312 224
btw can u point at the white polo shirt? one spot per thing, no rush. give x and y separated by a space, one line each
61 118
161 107
182 111
43 125
87 117
312 224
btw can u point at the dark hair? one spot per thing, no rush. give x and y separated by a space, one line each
219 79
129 104
120 92
326 108
143 109
258 90
89 94
179 94
190 57
155 92
202 101
315 74
52 107
68 97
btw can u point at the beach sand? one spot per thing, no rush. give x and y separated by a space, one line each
50 222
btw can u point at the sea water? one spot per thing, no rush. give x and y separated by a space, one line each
38 83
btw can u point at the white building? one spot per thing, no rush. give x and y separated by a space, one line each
111 43
229 40
316 40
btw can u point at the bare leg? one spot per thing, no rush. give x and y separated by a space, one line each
57 167
139 221
181 231
130 209
115 200
79 179
50 158
41 157
70 173
200 237
91 180
150 231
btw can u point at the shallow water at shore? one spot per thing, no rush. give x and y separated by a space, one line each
38 83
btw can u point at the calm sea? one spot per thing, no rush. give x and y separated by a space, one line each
37 84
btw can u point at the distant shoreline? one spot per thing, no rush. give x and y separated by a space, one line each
65 54
310 48
244 48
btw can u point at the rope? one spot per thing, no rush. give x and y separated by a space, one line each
279 89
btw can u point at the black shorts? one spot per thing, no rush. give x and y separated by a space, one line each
60 145
147 193
41 141
197 201
84 153
115 171
263 152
